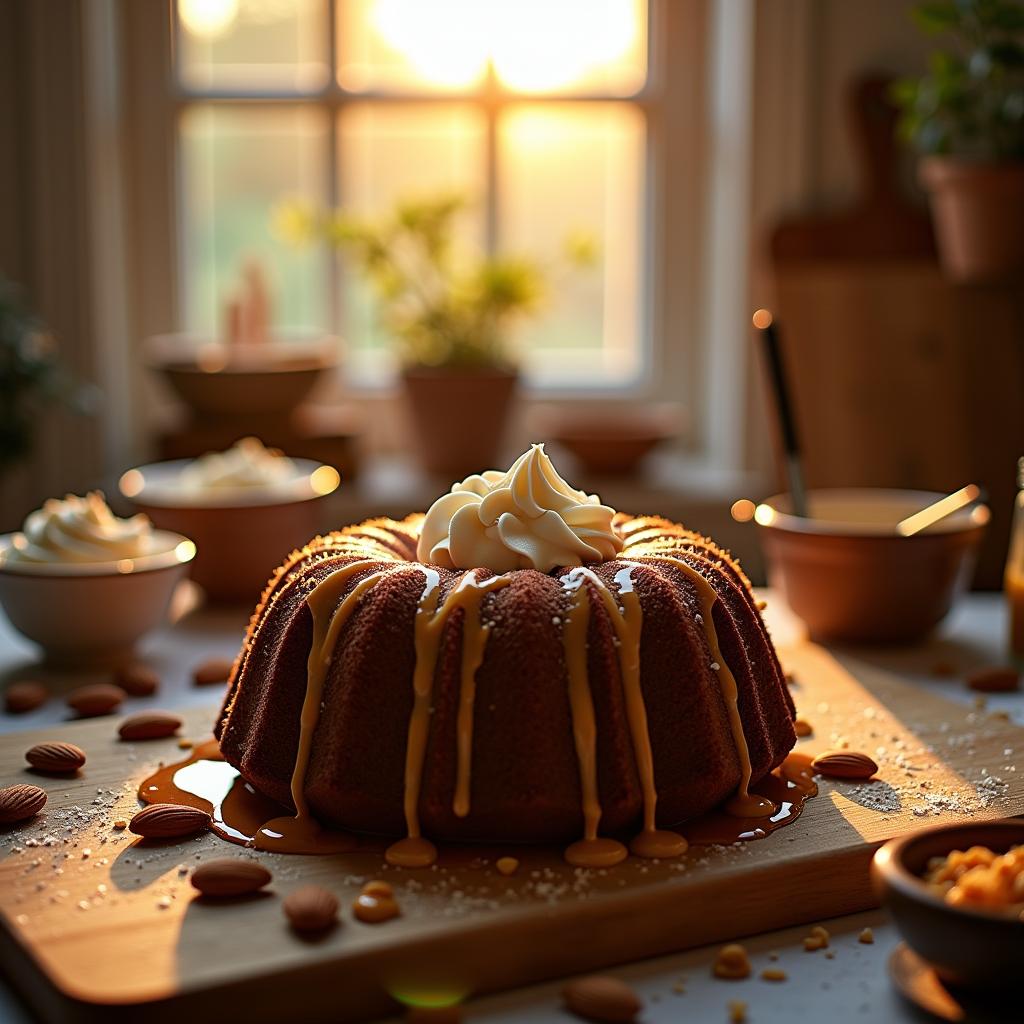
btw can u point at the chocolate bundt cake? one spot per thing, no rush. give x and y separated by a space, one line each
588 673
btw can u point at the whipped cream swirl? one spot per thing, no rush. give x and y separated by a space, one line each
78 529
246 464
526 518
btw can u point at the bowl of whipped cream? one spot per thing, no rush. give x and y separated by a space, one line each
85 585
246 508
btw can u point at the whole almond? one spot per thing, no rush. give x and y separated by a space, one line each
844 764
994 680
57 758
25 695
230 876
95 699
602 998
137 679
311 909
168 821
20 802
212 671
149 725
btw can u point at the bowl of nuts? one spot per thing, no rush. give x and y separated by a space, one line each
956 893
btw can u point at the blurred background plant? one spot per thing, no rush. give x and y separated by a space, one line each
32 378
446 308
971 101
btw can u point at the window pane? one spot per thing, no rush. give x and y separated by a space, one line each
534 46
566 169
388 152
252 44
236 164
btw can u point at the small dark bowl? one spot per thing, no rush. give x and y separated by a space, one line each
975 948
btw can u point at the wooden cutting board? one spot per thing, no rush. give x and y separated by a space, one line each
97 925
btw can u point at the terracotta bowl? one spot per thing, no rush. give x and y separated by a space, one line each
851 577
976 948
88 615
613 443
215 381
242 536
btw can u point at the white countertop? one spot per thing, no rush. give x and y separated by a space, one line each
852 986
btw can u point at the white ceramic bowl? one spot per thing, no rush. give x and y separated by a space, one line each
92 614
243 534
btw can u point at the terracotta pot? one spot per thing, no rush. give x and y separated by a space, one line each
979 216
459 417
851 577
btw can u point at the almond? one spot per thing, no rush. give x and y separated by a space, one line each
57 758
311 909
20 802
137 679
212 671
149 725
602 998
994 680
168 821
230 876
844 764
802 727
95 699
25 695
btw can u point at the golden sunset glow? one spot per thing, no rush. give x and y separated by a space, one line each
207 18
533 45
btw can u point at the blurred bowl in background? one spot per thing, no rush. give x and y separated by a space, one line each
218 381
851 577
242 534
610 441
91 614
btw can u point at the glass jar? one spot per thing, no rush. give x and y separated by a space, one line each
1014 578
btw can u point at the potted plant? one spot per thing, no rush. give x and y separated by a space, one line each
451 315
31 378
966 117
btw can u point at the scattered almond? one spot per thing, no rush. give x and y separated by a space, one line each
818 939
149 725
137 679
212 671
230 876
732 962
376 903
600 997
507 865
185 744
737 1011
120 825
867 936
994 680
802 727
56 758
311 908
17 803
168 821
844 764
95 699
774 974
25 695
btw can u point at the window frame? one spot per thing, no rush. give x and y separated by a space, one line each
673 104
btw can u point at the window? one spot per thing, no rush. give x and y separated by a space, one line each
539 111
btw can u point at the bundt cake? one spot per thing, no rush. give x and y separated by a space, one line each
522 664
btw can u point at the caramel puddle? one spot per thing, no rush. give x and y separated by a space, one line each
241 814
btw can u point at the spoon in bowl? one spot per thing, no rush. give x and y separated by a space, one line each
931 514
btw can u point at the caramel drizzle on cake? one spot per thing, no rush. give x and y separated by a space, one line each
331 608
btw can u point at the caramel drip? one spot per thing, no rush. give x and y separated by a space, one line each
627 620
415 850
743 803
329 617
590 851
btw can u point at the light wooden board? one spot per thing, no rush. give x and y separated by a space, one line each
93 936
